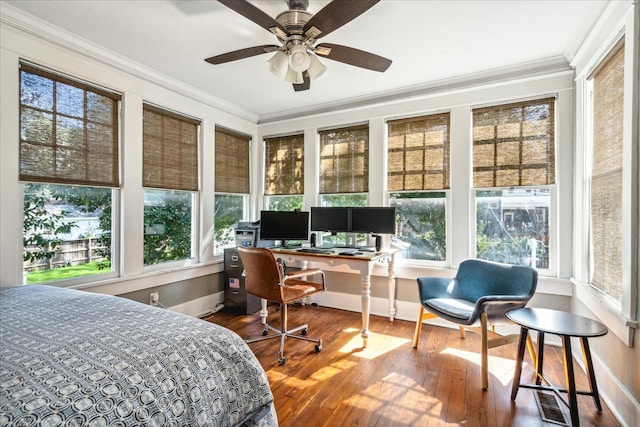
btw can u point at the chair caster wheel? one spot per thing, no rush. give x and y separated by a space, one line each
264 333
304 331
318 347
282 360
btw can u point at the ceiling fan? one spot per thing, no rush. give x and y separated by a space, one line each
297 31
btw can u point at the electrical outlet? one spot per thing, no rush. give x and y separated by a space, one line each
154 298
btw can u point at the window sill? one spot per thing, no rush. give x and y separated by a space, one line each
122 285
606 312
546 285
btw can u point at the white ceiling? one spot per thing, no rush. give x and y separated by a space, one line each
428 41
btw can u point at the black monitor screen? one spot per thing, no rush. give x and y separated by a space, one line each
329 219
376 220
284 225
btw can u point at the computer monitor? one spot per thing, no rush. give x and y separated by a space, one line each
374 220
284 225
331 219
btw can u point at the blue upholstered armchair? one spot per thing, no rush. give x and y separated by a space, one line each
479 296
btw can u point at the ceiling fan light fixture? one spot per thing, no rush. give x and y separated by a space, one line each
316 68
299 59
294 76
278 64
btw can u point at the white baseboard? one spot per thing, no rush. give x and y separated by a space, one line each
621 403
199 306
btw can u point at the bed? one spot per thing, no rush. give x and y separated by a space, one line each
74 358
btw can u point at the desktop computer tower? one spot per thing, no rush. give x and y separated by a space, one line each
236 298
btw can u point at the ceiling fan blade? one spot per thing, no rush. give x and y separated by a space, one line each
336 14
305 85
352 56
241 54
252 13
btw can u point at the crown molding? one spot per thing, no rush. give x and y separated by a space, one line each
13 17
557 65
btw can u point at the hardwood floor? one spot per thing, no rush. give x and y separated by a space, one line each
390 383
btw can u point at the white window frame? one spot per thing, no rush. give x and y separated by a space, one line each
412 262
246 208
195 239
115 247
552 220
621 319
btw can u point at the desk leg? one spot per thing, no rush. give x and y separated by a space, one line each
366 306
263 311
570 380
524 333
392 289
586 354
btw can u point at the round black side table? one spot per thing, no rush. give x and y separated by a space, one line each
565 325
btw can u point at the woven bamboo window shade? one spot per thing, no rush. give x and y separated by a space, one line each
418 153
344 160
232 162
68 130
284 165
170 150
513 144
606 177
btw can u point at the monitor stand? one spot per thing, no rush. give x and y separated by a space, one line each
286 245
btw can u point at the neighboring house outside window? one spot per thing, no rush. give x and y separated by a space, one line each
69 163
231 186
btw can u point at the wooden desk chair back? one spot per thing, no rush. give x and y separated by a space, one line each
266 278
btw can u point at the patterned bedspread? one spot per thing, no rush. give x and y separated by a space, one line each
73 358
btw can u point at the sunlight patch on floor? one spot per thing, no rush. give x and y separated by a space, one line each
378 344
499 367
404 391
330 371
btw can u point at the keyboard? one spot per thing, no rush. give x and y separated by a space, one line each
350 252
315 250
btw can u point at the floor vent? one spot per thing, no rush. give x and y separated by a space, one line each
550 408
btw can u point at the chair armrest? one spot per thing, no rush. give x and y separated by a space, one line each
303 273
435 287
495 306
503 299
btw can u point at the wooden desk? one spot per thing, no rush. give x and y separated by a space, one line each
360 263
565 325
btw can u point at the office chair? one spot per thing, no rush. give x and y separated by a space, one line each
266 278
480 295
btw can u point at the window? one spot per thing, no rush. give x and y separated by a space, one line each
346 201
417 172
170 176
512 226
344 160
344 171
69 162
284 172
231 186
513 173
606 175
